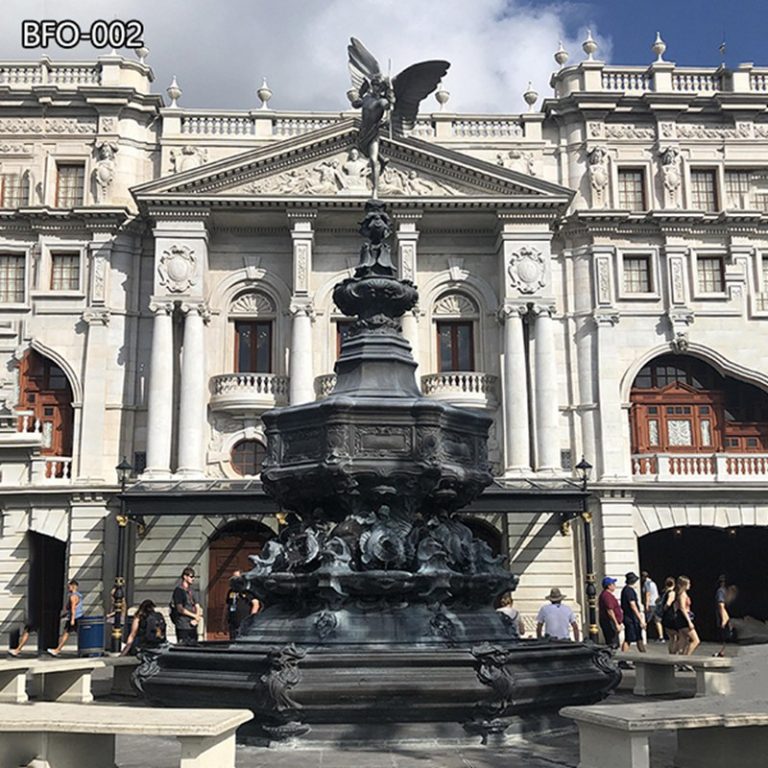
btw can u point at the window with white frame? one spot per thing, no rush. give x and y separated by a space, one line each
636 268
632 189
13 190
65 271
455 318
738 188
704 189
764 275
12 278
710 272
70 184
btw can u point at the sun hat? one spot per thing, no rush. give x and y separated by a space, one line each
555 595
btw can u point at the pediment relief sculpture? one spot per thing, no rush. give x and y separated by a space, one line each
349 174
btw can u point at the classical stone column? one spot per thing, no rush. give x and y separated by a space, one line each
160 395
407 240
192 400
515 396
91 444
302 381
545 392
301 386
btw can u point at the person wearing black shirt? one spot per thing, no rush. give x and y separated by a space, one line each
186 612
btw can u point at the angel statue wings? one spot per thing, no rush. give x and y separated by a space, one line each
384 100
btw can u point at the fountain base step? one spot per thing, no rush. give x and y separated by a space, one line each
384 695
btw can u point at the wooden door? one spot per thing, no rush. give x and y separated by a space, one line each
46 392
227 554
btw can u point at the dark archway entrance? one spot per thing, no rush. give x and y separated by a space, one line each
45 593
485 531
229 550
703 554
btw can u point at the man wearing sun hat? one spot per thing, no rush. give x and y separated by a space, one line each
554 618
610 614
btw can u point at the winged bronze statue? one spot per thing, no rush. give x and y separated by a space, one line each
384 100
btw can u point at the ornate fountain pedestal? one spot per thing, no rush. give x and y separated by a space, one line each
379 623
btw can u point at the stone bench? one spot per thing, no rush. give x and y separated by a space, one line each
66 680
712 732
70 736
655 675
13 681
122 667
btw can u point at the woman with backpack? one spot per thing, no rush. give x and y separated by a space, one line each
665 610
147 630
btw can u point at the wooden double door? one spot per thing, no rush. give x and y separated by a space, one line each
228 553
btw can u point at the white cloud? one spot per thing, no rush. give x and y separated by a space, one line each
219 51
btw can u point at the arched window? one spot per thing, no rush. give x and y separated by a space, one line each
680 403
456 317
247 457
45 391
254 317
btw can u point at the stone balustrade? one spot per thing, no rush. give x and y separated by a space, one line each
659 77
65 75
248 393
692 467
48 470
324 385
468 388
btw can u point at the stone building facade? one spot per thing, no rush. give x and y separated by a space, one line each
593 274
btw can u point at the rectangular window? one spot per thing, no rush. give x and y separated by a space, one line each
637 274
70 184
737 190
455 346
710 271
65 271
13 190
12 278
704 190
253 346
632 189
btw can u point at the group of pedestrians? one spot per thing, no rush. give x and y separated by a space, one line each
148 627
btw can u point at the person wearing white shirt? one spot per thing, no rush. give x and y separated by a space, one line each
555 619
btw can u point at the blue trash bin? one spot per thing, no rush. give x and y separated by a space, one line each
90 636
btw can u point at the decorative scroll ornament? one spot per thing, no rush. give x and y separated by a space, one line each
178 269
527 270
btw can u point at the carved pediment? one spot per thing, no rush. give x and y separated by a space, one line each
325 164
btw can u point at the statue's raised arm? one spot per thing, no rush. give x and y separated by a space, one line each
383 101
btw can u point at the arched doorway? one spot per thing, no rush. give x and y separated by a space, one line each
703 553
45 589
485 531
228 552
46 393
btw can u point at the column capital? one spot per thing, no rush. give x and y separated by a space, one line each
543 310
96 316
506 311
160 306
298 307
301 221
606 319
200 307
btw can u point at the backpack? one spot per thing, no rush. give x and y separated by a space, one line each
658 606
154 629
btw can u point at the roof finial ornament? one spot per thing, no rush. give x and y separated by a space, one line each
174 93
589 46
561 55
658 47
264 93
142 54
442 95
530 96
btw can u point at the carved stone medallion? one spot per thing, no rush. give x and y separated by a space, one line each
178 269
527 270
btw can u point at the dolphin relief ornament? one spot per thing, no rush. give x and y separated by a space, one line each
385 101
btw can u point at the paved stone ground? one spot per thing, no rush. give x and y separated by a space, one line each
558 750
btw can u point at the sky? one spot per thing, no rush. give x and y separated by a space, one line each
220 51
